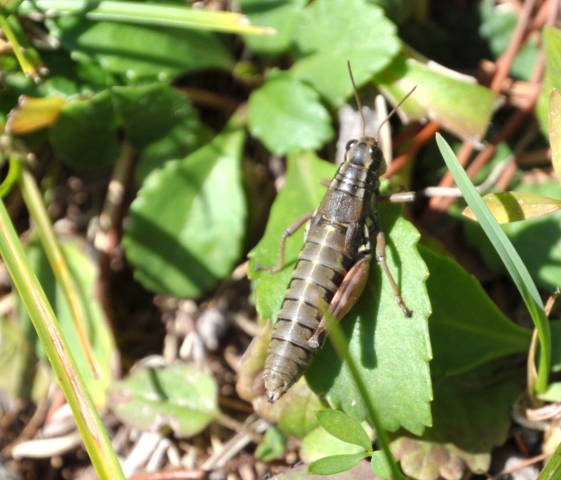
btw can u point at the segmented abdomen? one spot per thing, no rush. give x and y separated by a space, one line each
322 264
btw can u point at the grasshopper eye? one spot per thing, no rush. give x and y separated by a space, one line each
349 144
375 153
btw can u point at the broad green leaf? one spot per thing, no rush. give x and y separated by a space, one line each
187 222
508 207
467 329
380 465
336 463
554 121
141 51
552 76
273 446
510 258
318 444
176 397
332 32
471 417
282 16
437 89
150 112
344 428
286 115
84 134
391 350
85 276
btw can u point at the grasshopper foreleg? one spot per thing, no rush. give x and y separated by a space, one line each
381 257
348 294
291 230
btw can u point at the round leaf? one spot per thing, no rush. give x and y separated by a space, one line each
332 32
286 116
84 134
179 397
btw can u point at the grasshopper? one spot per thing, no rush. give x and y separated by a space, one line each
333 266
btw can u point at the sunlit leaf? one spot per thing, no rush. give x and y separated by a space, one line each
33 114
344 428
286 115
176 397
335 463
183 237
437 89
332 32
508 207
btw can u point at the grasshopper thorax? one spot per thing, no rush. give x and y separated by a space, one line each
365 152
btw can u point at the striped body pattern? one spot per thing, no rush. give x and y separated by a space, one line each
338 236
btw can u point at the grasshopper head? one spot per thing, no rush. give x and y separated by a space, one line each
365 152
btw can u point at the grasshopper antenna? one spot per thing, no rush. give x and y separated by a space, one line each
393 110
358 99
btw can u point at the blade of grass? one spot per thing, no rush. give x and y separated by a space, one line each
26 55
509 256
145 13
96 440
340 345
35 205
552 469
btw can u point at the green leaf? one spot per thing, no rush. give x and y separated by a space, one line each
187 222
150 112
139 51
380 465
554 121
286 116
85 276
391 350
84 134
509 256
467 329
336 463
177 397
273 446
472 410
282 16
332 32
437 89
508 207
318 444
344 428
